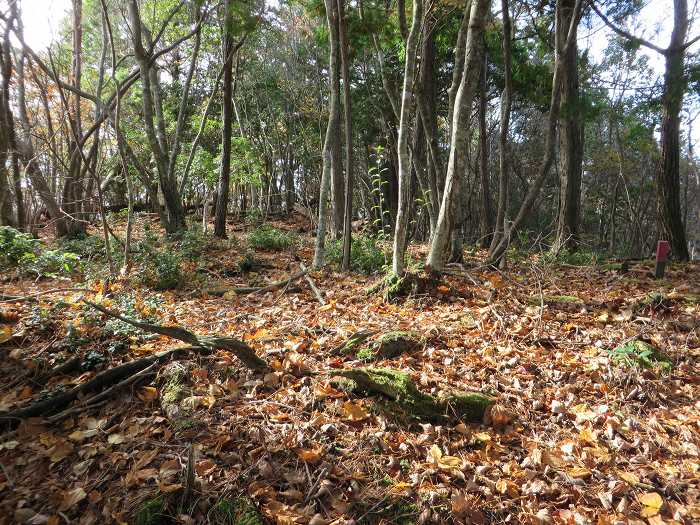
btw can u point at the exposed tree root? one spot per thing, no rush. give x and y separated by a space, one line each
104 379
128 372
407 400
241 350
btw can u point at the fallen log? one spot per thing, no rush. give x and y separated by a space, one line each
219 292
405 399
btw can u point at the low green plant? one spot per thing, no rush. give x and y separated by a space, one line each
192 244
132 308
366 254
642 354
16 246
266 237
573 258
87 246
51 263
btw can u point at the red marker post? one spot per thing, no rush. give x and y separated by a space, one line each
663 248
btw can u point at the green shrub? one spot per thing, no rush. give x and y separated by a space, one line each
16 246
575 258
50 263
192 244
87 246
132 308
160 270
366 254
266 237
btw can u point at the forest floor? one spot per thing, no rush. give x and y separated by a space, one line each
593 369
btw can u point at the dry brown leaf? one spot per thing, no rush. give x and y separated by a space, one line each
205 467
70 498
310 455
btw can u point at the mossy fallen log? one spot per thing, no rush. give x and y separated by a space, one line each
403 395
392 344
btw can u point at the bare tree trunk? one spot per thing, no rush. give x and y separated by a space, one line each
503 149
486 217
225 174
570 143
425 97
332 131
405 119
668 203
459 132
562 44
155 129
349 183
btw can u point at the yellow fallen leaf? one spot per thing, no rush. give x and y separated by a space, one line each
5 333
449 462
651 504
483 437
580 473
506 486
354 411
434 455
148 393
115 439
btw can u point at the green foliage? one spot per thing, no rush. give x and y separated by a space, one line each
574 258
16 246
51 263
160 270
84 245
366 254
191 244
266 237
642 354
132 307
22 251
240 511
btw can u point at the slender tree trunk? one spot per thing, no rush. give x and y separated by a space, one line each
459 132
668 204
486 217
337 182
496 254
405 119
332 131
349 182
503 145
225 174
571 124
426 96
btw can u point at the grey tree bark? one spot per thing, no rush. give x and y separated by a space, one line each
405 119
503 144
332 132
459 132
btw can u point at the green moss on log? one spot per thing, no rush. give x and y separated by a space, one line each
392 344
402 395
